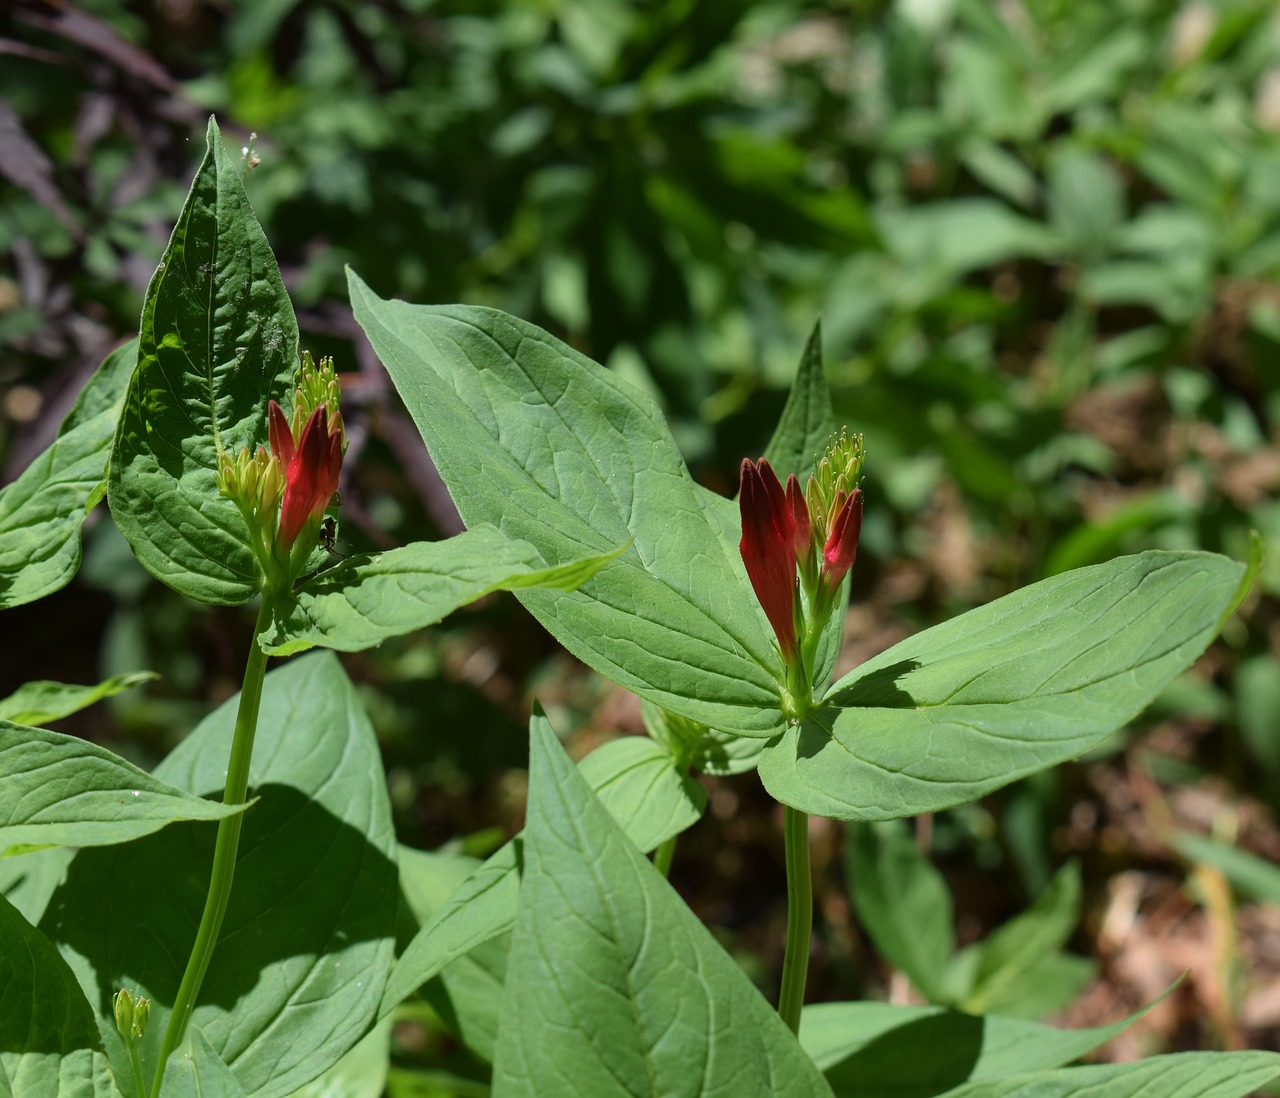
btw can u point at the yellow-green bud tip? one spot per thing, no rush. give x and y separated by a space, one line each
141 1014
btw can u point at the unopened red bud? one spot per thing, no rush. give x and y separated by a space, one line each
799 510
841 548
768 549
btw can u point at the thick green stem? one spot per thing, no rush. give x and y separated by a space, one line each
795 961
224 852
663 855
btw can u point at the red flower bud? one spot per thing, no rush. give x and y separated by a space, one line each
799 510
768 549
311 469
842 543
279 434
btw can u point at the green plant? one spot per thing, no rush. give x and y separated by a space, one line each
264 975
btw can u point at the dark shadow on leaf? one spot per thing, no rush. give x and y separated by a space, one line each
877 690
307 884
921 1059
814 736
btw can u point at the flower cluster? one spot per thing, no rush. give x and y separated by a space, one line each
283 493
799 545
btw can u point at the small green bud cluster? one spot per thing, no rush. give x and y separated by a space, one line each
317 387
838 473
132 1012
254 482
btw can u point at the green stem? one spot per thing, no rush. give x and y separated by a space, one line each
795 961
663 855
139 1083
224 852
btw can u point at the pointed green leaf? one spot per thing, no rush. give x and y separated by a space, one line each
42 511
533 437
218 341
1017 950
639 784
613 985
902 902
43 702
1185 1074
311 921
871 1050
64 791
195 1070
366 599
49 1046
481 909
1013 687
808 419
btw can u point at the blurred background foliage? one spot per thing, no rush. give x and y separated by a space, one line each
1043 237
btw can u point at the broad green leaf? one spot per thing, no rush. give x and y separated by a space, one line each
808 419
64 791
554 450
637 780
871 1050
310 926
361 1073
613 985
624 777
195 1070
1013 687
43 702
1184 1074
366 599
42 511
49 1046
218 341
1252 877
902 902
1016 952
